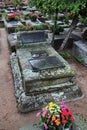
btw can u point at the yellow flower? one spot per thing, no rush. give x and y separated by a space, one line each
51 104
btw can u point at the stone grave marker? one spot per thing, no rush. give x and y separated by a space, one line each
32 37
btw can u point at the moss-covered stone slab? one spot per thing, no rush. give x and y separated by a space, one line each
40 96
38 80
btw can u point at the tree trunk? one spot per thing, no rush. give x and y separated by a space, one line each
65 41
55 24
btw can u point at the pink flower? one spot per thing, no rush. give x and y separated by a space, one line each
44 112
72 119
61 103
38 114
45 125
63 106
48 116
16 13
64 121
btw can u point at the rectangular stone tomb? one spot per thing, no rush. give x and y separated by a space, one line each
43 71
32 37
14 23
33 90
79 51
45 63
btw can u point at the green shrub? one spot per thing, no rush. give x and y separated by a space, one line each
65 54
41 27
58 29
80 59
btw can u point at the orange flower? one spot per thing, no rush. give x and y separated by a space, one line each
57 122
53 118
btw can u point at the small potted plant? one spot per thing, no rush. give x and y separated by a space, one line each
33 17
15 16
56 117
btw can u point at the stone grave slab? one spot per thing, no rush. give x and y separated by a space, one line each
33 90
36 23
32 37
28 38
79 51
32 9
14 38
76 34
42 19
10 26
54 74
60 23
43 63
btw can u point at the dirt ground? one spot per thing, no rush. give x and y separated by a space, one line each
10 117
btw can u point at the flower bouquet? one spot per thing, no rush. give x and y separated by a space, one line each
33 17
13 16
56 117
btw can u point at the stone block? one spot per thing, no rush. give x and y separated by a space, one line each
10 26
28 38
12 40
79 51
